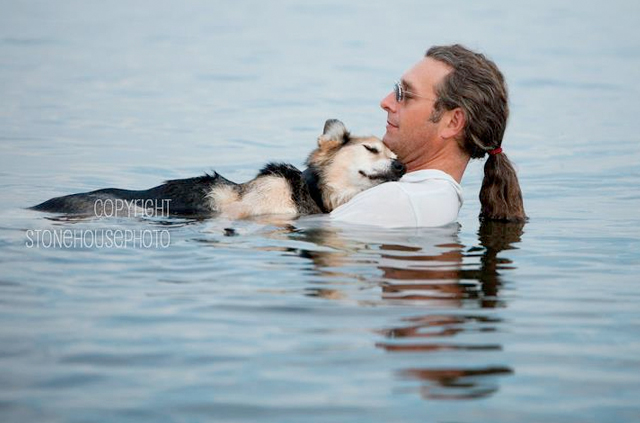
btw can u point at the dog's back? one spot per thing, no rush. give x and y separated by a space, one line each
180 196
279 188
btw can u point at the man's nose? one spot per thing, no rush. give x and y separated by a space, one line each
388 103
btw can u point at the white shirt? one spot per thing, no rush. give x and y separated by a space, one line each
423 198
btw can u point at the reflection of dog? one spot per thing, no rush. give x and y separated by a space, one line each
341 167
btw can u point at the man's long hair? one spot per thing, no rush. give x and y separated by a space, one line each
477 86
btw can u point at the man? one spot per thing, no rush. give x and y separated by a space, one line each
450 107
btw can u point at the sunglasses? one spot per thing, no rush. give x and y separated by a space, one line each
402 94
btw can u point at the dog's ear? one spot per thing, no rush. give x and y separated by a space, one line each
334 133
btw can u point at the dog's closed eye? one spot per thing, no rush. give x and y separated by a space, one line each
371 149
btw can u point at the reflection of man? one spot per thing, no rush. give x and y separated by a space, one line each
448 108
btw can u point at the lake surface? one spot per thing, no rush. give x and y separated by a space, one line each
304 321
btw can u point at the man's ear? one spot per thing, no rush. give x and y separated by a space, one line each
334 133
453 123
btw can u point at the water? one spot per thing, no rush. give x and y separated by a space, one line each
289 321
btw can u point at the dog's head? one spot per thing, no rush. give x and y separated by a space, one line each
348 165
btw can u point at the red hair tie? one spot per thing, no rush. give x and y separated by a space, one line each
496 151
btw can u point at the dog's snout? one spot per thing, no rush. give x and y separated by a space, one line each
398 168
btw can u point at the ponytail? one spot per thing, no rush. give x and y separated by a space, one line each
500 194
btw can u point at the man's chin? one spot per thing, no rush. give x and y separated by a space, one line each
389 141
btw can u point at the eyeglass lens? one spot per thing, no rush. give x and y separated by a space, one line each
398 90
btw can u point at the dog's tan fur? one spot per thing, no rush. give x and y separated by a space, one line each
263 195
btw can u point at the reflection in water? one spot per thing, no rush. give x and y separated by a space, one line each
451 278
451 275
457 384
433 269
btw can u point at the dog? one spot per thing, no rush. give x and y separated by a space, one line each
340 167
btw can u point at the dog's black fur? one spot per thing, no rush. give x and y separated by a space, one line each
188 196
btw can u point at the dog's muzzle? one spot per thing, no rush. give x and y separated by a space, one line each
398 168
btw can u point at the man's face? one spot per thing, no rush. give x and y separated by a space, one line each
410 134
